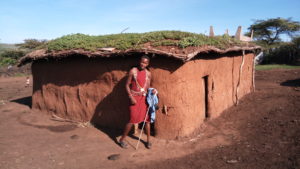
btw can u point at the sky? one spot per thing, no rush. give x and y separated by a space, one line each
50 19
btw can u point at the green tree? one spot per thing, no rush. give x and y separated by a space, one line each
296 42
13 54
31 43
269 31
7 61
286 52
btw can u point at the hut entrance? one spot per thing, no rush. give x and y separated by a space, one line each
205 91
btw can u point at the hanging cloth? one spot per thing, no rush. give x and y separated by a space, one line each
152 101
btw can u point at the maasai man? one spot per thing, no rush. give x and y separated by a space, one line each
137 85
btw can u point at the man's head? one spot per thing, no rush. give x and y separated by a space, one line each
144 62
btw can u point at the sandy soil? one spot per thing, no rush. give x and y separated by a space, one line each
263 131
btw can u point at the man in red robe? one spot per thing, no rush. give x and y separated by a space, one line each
137 85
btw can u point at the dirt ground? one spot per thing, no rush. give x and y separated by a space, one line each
262 131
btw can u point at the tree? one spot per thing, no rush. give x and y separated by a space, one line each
296 42
269 31
10 57
13 54
31 43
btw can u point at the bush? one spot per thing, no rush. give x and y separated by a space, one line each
285 53
7 61
10 57
32 44
14 54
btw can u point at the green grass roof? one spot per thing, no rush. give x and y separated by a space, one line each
136 40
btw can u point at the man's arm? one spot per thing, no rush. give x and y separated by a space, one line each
128 82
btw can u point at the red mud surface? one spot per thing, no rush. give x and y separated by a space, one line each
263 131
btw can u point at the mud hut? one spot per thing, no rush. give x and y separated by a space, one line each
82 78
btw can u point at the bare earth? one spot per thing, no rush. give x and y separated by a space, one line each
263 131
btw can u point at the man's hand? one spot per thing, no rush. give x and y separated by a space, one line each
133 101
154 91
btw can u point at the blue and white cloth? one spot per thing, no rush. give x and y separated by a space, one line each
152 101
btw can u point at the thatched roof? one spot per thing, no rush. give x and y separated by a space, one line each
174 44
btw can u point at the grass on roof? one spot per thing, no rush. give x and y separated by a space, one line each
135 40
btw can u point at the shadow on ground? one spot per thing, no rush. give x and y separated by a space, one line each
115 133
291 83
27 101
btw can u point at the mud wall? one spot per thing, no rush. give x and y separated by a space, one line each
83 90
94 89
183 91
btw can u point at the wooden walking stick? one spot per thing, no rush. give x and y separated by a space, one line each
137 145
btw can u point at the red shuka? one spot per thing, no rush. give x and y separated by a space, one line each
138 110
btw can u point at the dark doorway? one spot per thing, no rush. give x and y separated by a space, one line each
205 89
